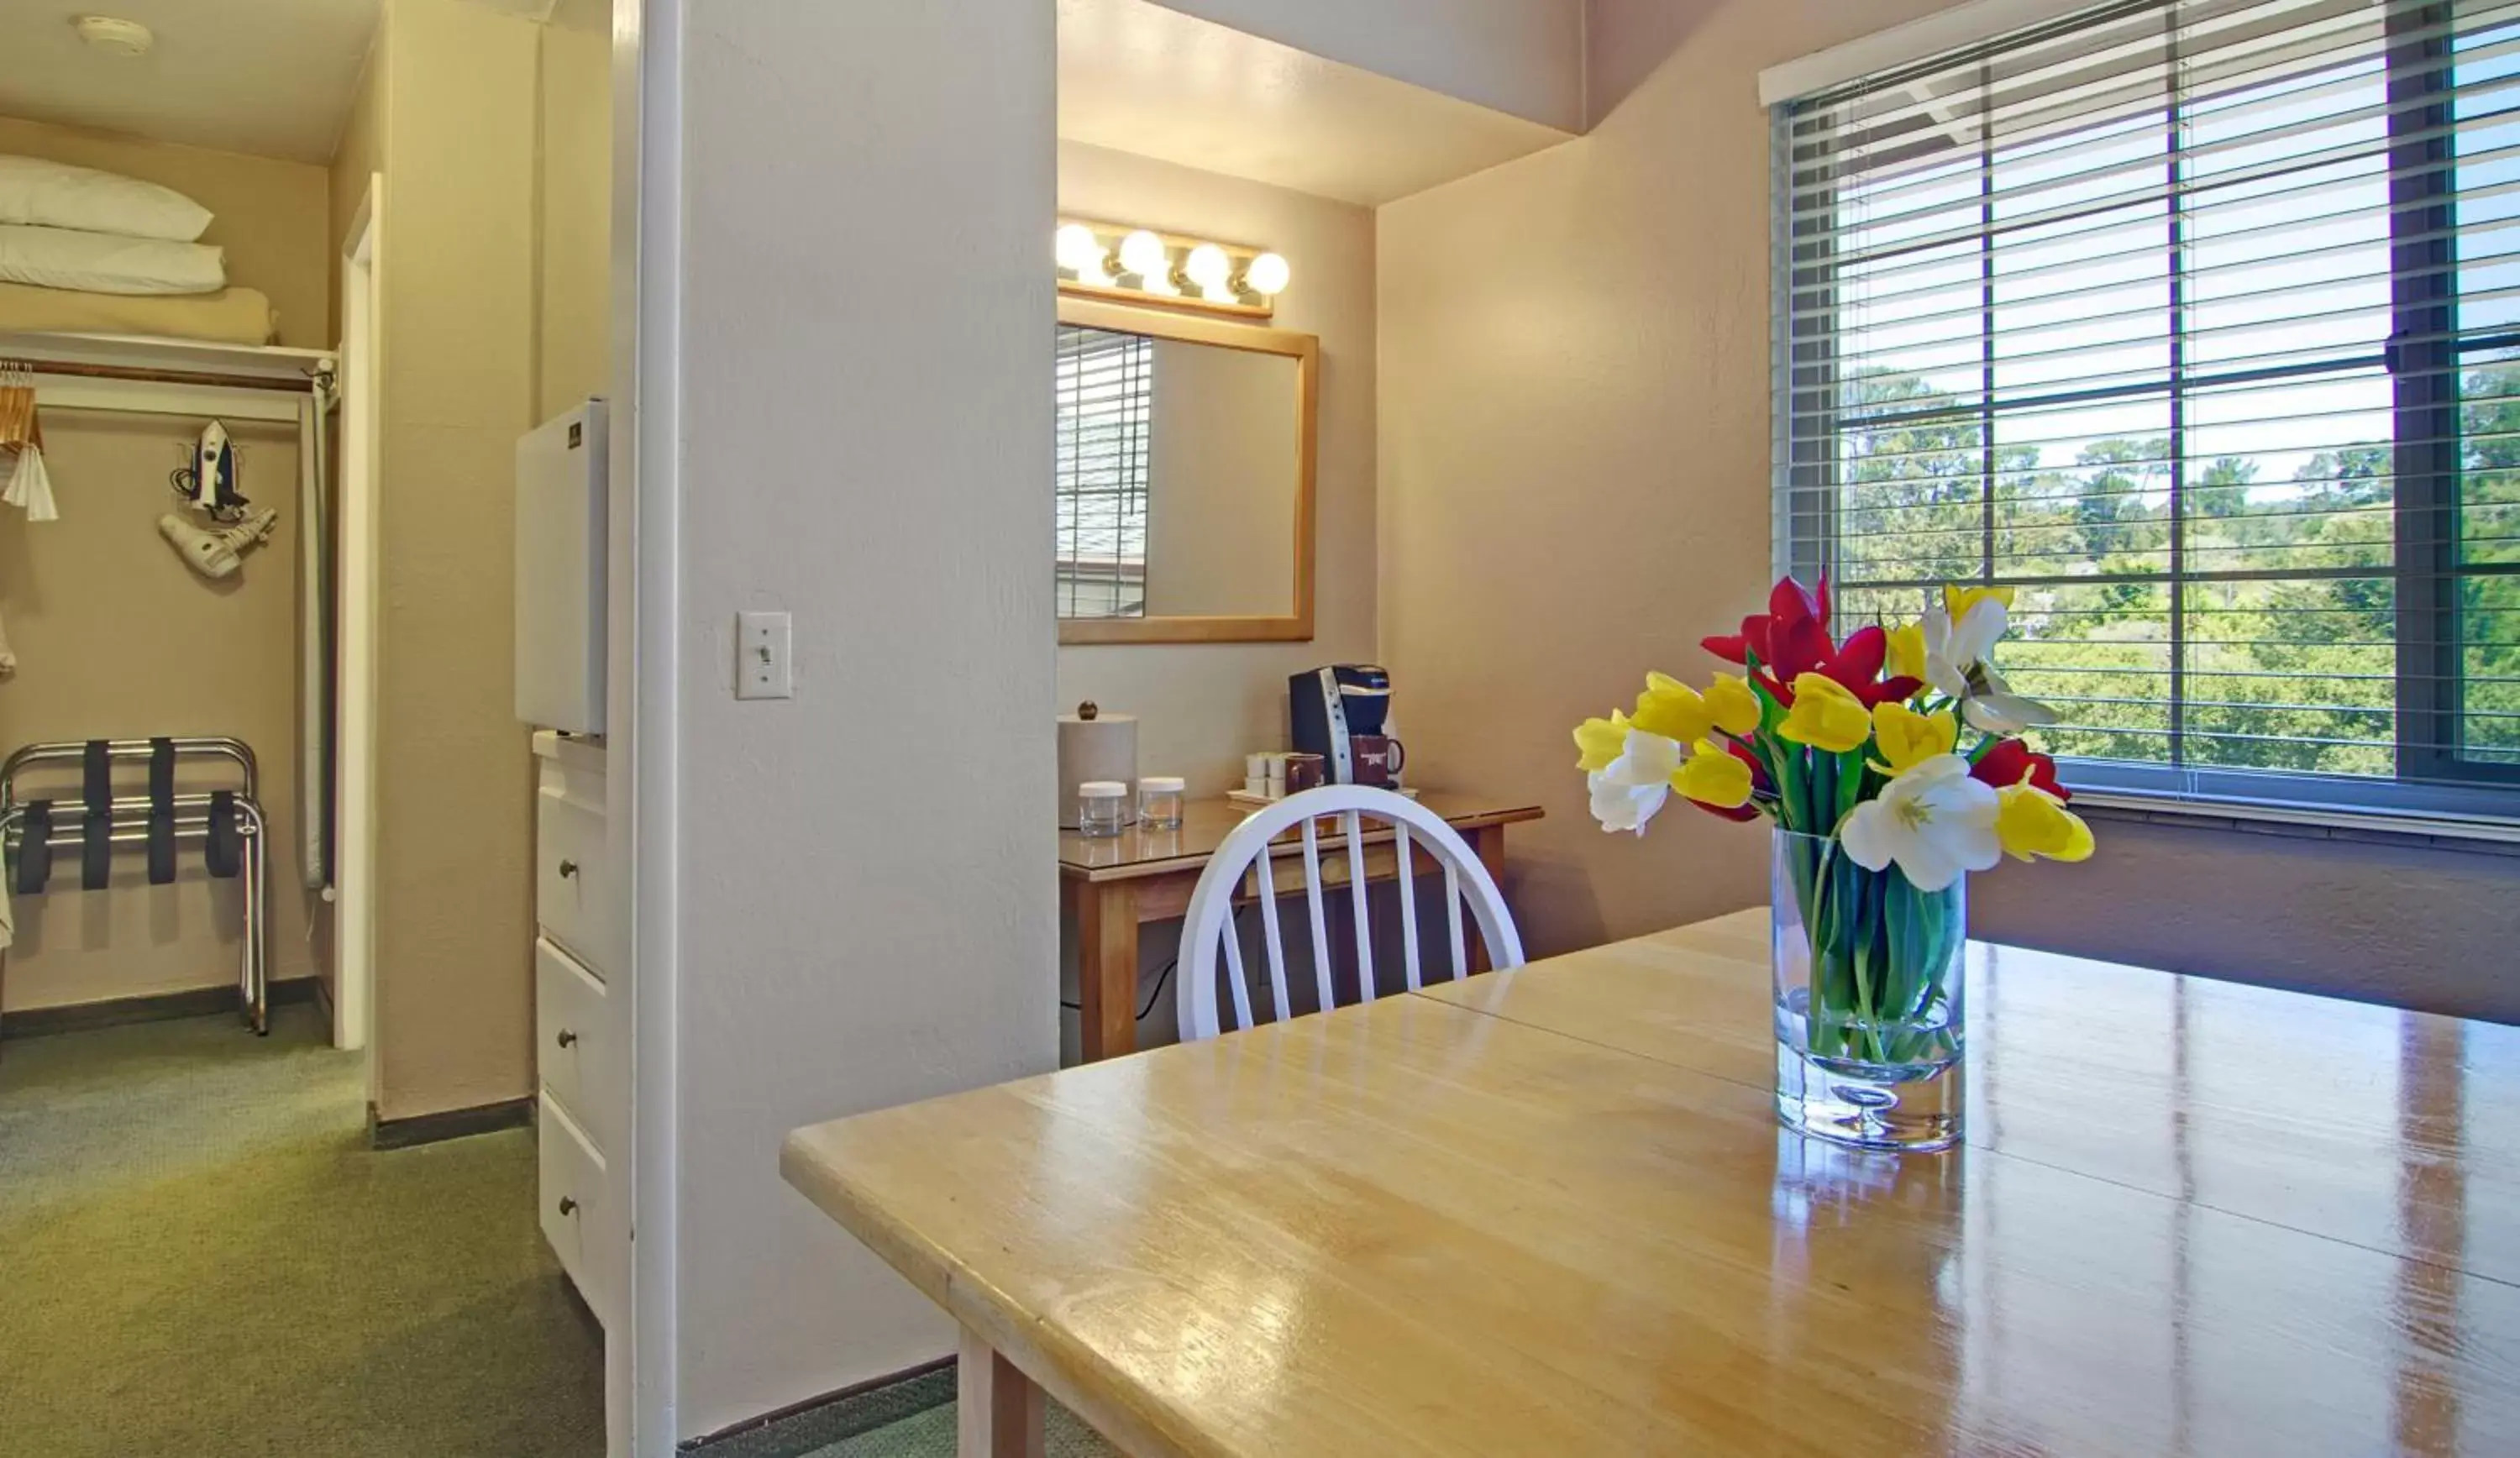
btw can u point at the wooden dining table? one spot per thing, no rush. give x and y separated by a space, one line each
1551 1210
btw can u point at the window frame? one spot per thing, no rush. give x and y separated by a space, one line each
2422 359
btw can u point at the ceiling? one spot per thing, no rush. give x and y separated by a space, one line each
271 77
1136 76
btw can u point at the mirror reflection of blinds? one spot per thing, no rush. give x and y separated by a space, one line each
1106 407
2197 322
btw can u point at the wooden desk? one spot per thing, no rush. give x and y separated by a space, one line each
1114 886
1550 1212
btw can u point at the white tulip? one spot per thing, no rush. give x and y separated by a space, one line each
1997 711
1934 820
1956 650
1959 664
1630 789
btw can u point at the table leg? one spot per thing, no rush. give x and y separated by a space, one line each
1107 970
997 1408
1489 842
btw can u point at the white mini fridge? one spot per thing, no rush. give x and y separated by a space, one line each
560 552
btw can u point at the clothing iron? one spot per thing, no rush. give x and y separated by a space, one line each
210 482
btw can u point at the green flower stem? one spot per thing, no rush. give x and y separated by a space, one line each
1883 954
1850 785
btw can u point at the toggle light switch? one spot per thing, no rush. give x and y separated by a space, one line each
761 667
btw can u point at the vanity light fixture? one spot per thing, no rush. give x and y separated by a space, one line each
1081 253
1266 276
1144 254
1208 268
1140 264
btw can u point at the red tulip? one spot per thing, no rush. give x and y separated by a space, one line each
1792 640
2004 765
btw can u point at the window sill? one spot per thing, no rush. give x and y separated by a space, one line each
2491 835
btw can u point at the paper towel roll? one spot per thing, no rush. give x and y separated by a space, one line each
1104 748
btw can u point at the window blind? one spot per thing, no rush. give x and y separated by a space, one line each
2196 322
1105 404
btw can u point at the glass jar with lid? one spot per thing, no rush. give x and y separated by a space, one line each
1101 808
1159 802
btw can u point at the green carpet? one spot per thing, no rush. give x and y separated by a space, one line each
930 1435
912 1418
200 1255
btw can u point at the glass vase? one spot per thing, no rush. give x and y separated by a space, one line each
1868 974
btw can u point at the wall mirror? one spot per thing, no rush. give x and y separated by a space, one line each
1183 478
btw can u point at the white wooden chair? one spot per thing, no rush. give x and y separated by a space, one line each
1247 854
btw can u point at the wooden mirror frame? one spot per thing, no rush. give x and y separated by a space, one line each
1189 328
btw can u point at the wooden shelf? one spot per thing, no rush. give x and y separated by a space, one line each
209 378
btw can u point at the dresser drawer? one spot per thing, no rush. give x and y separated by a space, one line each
578 1047
573 877
576 1212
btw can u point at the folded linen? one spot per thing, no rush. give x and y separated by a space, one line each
232 316
101 263
57 195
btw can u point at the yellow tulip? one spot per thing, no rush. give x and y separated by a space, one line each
1734 705
1908 738
1958 599
1597 741
1671 709
1906 659
1713 777
1825 715
2035 825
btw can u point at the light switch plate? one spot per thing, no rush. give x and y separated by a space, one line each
761 662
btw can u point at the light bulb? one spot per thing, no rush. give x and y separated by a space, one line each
1144 254
1080 253
1266 275
1211 270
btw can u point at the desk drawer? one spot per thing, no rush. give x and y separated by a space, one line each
573 890
577 1217
578 1047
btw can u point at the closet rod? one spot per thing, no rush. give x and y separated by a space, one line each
173 376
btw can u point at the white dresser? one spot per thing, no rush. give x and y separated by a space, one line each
581 1023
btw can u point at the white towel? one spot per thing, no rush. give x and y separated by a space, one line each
31 486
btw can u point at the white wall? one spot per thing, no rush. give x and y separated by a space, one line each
866 908
1520 56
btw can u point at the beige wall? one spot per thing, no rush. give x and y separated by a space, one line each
116 639
574 262
1221 466
493 268
1574 452
450 119
1203 706
270 214
356 159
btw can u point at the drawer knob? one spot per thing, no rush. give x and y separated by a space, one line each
568 867
568 1206
566 1038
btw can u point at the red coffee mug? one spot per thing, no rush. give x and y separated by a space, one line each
1378 759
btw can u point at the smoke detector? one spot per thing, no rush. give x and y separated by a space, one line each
117 36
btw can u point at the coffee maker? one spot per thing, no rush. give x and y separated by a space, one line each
1330 706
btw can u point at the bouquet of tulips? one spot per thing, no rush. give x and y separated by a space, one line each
1854 748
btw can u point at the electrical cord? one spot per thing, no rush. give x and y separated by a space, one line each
1163 974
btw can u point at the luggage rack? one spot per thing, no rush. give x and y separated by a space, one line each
228 823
